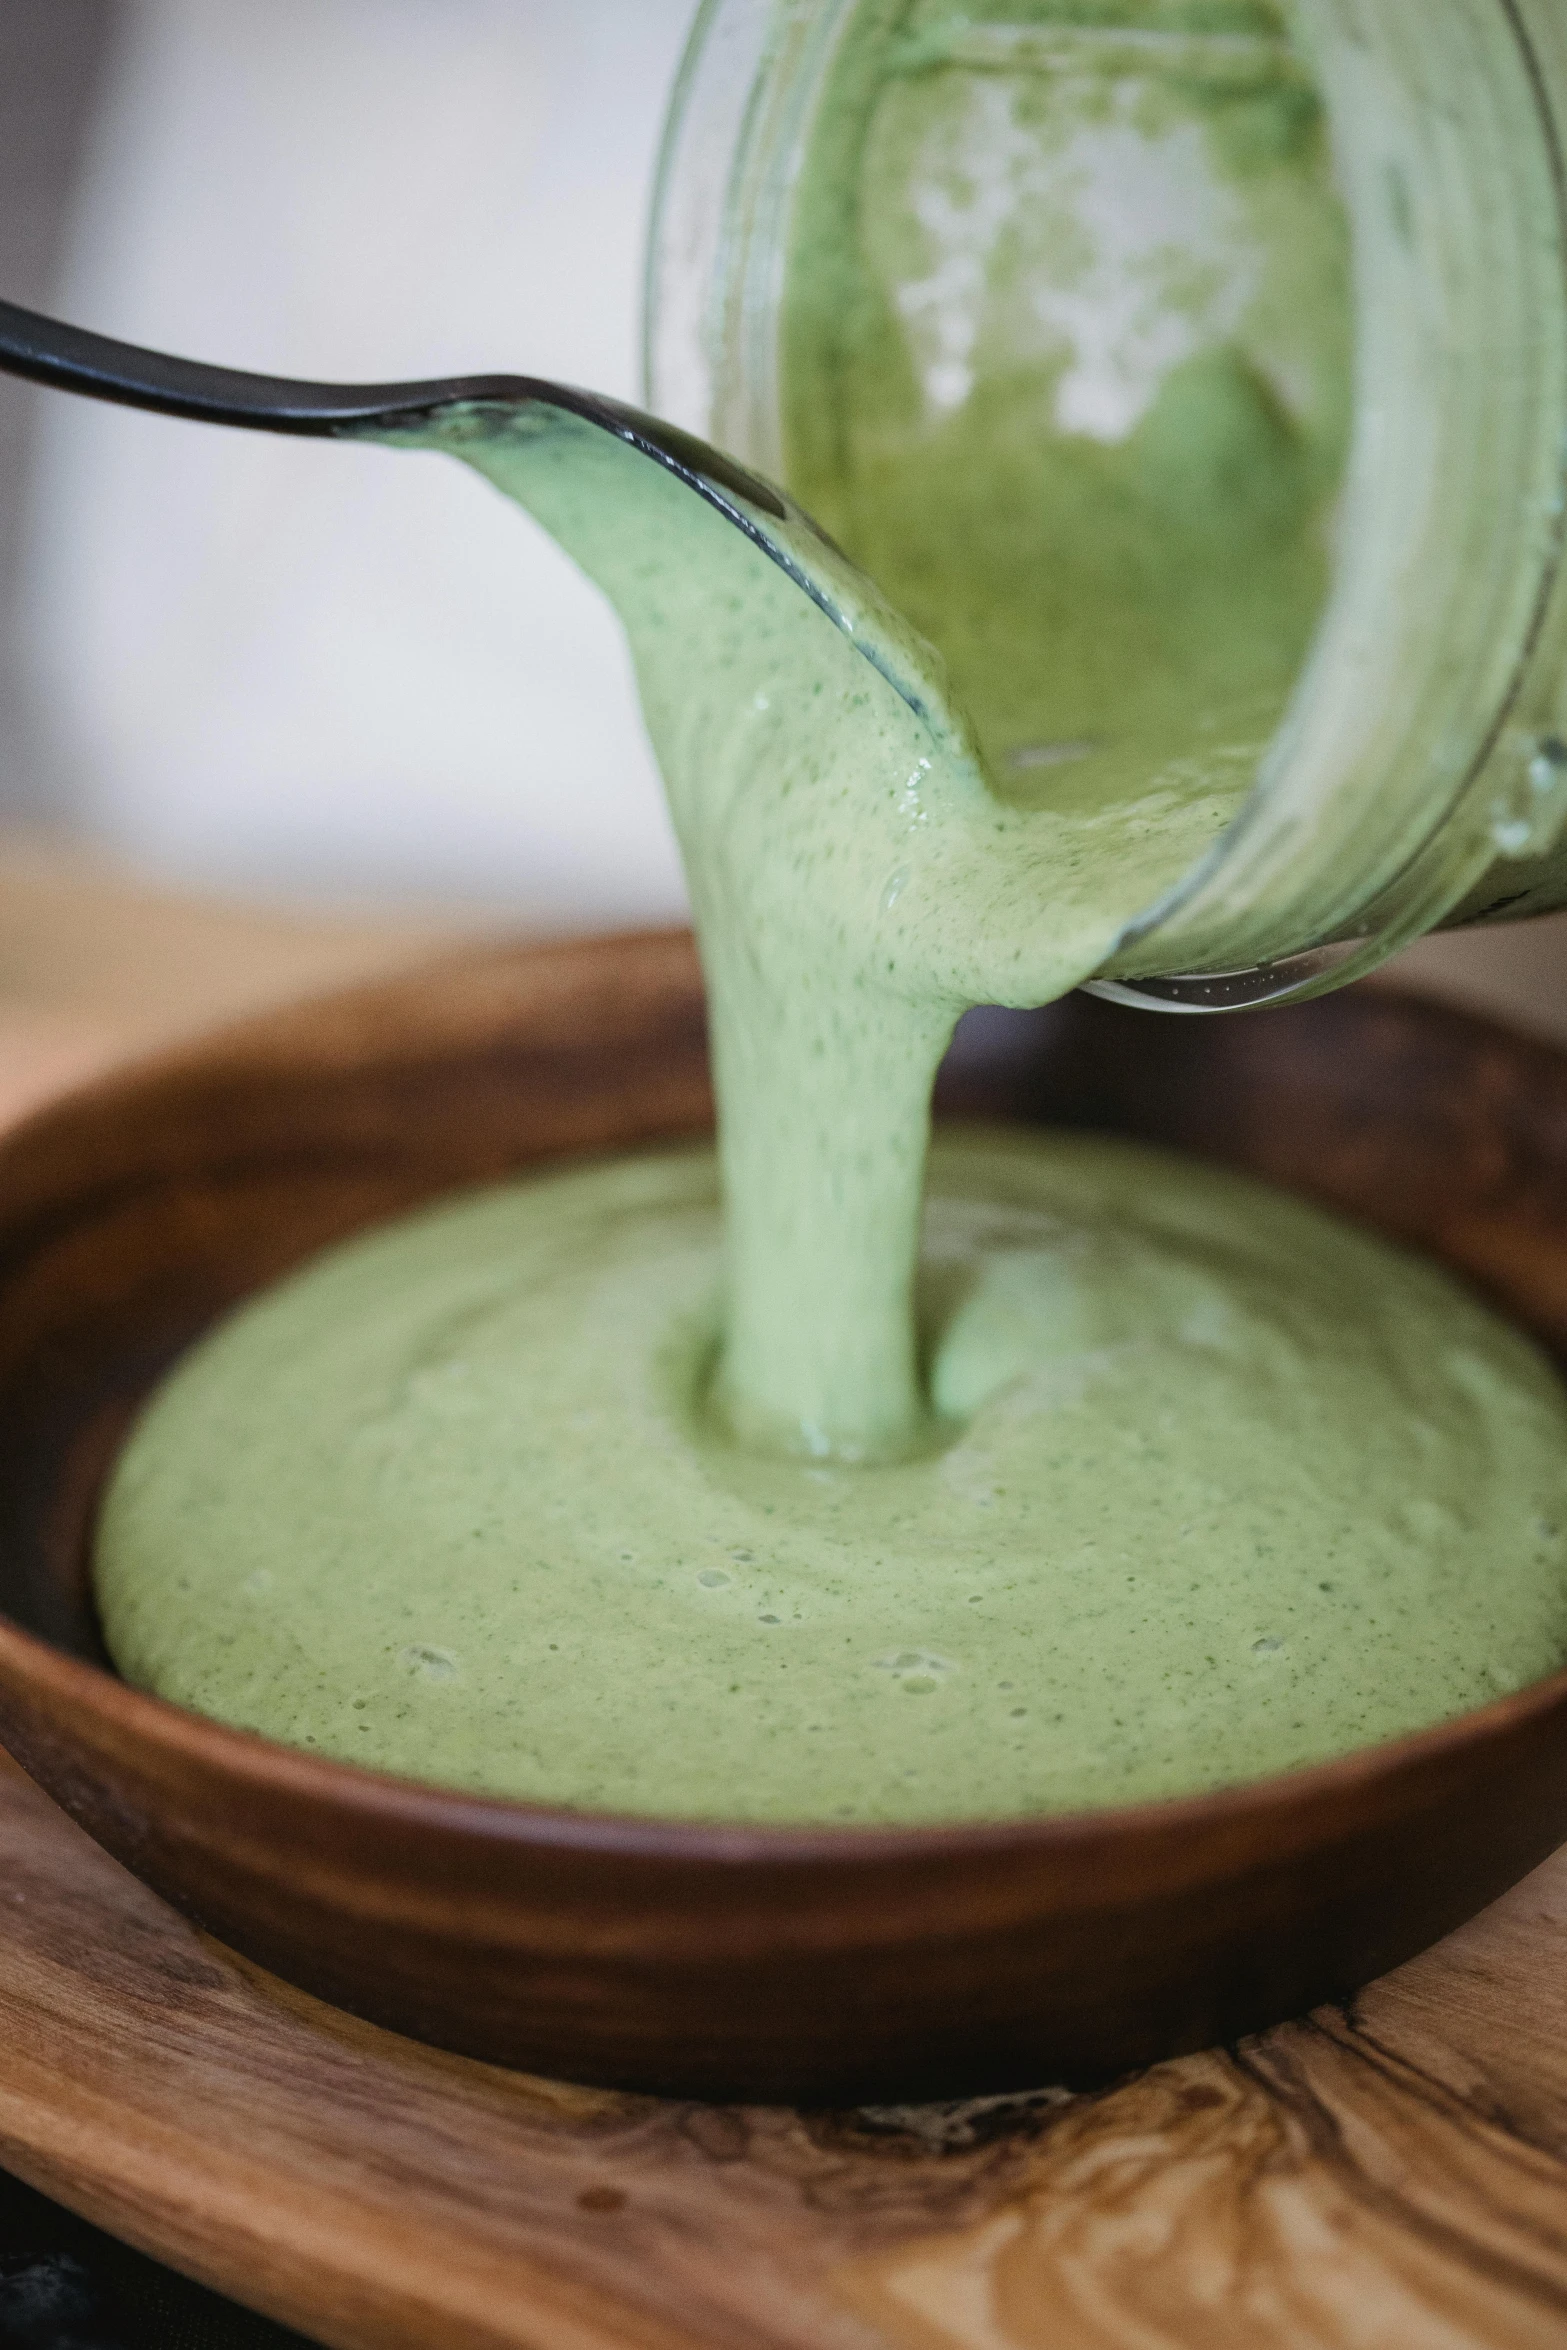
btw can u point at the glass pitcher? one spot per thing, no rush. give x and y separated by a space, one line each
1338 223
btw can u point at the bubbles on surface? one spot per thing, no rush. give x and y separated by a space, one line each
1527 816
713 1578
428 1664
918 1672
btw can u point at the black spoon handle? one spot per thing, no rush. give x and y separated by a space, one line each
48 352
73 360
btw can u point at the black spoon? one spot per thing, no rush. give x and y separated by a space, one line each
70 359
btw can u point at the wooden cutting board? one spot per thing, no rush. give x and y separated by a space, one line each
1387 2177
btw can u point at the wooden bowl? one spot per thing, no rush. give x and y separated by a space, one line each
827 1964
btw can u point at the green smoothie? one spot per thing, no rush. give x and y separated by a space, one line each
783 1486
1226 1487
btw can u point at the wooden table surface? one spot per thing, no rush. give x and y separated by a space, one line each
1387 2176
1390 2176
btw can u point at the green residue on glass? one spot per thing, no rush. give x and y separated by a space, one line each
1066 366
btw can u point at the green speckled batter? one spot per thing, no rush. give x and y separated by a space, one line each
1237 1488
1145 1479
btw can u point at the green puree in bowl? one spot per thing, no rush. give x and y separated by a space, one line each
782 1485
1231 1487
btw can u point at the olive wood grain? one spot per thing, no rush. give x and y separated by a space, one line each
1387 2176
828 1963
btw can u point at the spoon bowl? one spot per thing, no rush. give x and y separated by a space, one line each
803 1964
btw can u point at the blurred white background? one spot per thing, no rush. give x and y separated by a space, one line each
280 665
313 677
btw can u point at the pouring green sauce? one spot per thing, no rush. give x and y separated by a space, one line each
792 1485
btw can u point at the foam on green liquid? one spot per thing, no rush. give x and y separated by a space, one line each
1142 1478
